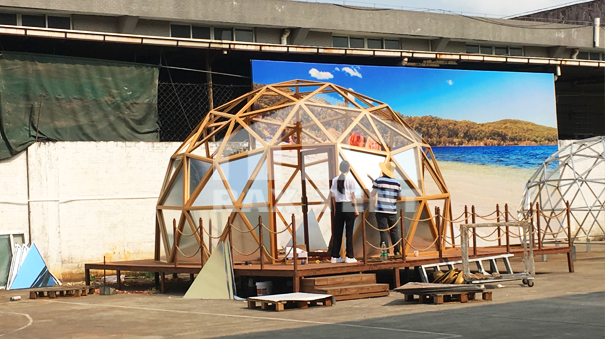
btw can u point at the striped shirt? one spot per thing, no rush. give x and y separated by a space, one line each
387 189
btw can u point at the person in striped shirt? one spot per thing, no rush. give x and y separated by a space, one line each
388 191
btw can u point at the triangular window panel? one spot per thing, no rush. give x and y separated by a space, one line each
33 272
189 247
311 133
237 172
215 280
334 121
213 193
173 165
365 165
258 191
423 238
175 192
271 98
329 96
197 171
392 136
410 164
406 189
245 235
214 222
170 217
239 141
430 185
316 236
363 135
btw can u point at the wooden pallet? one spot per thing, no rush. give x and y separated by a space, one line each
61 291
346 286
279 304
448 297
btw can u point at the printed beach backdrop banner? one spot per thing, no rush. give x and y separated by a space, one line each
489 130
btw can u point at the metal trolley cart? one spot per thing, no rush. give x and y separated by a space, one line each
527 276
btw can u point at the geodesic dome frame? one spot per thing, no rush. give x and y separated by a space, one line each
272 153
575 173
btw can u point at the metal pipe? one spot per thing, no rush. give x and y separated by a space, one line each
284 36
597 33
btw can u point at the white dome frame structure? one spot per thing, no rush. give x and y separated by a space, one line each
575 173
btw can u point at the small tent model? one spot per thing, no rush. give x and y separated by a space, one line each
269 155
574 174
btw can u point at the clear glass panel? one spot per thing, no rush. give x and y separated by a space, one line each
364 135
317 240
317 169
197 170
169 217
258 191
175 193
408 161
5 258
283 174
311 133
214 223
188 245
406 190
238 172
238 142
330 96
430 186
423 236
214 193
244 240
391 135
335 121
365 165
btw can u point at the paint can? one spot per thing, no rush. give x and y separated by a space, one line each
16 298
264 287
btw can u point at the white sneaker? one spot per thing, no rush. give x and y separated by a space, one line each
350 260
337 260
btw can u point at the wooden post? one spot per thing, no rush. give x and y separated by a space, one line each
498 220
439 235
295 282
403 239
174 246
262 243
474 231
538 226
507 230
158 240
363 234
203 262
569 239
210 236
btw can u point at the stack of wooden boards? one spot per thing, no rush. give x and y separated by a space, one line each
440 293
346 286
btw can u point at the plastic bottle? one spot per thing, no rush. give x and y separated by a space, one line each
384 253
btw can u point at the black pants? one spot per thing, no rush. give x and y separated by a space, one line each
386 220
343 217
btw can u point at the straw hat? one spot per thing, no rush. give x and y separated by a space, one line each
388 168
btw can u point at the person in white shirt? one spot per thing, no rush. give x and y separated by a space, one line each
345 212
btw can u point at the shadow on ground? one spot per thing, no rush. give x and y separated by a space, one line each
573 316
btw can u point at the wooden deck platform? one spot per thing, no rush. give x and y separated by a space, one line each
312 269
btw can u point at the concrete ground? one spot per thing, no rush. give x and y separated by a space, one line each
560 305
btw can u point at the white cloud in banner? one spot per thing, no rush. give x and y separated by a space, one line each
350 96
450 82
337 69
352 71
319 74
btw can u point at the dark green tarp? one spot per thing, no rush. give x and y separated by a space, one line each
74 99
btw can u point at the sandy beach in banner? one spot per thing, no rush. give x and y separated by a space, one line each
484 186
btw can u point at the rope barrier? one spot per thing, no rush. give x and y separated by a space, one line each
552 217
388 248
484 238
211 237
423 249
246 254
484 217
253 229
275 232
188 256
386 229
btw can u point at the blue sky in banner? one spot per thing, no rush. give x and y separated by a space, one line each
479 96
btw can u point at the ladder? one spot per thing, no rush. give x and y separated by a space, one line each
478 261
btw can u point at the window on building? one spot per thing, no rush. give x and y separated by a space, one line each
200 32
180 31
486 50
60 22
246 35
223 33
472 49
391 44
515 51
375 43
595 56
356 42
340 41
500 51
33 20
8 19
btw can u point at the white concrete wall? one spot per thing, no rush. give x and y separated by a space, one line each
87 200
